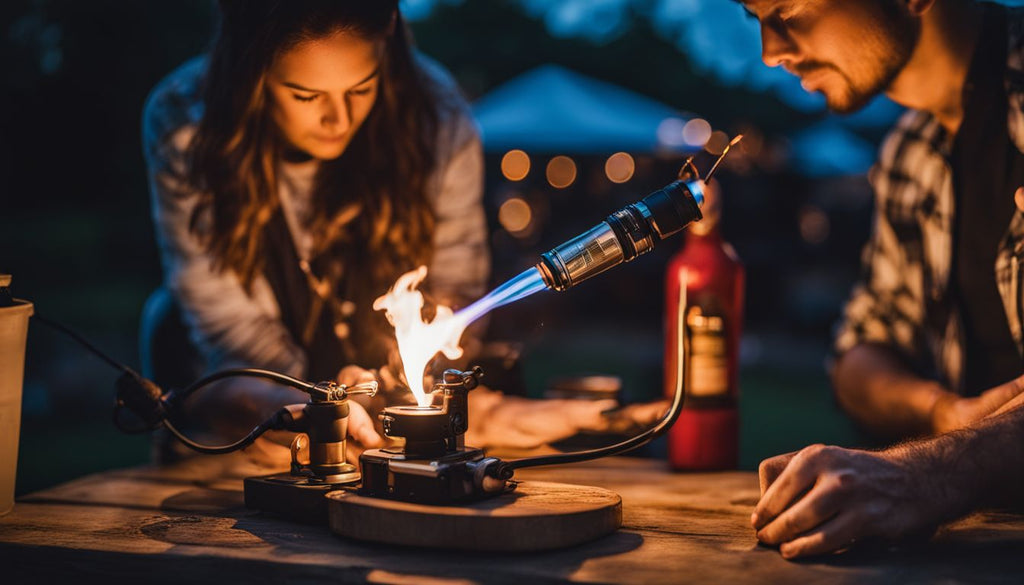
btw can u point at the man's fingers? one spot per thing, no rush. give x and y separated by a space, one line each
815 508
360 427
839 532
799 475
770 469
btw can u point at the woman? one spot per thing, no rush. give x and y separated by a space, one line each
295 173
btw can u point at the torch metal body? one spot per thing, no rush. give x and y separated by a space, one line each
629 232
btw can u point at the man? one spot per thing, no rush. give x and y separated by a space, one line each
930 343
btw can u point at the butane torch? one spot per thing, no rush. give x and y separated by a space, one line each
631 231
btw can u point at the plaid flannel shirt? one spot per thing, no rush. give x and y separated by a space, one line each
902 300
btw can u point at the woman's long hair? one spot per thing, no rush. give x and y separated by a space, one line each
372 211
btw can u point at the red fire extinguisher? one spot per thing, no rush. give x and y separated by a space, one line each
706 435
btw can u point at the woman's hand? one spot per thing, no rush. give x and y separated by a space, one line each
352 375
361 431
361 427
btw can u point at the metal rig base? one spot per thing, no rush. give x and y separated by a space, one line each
435 466
293 497
454 477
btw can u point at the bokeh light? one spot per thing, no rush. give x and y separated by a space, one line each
697 132
670 132
515 165
619 167
515 215
717 142
814 225
561 172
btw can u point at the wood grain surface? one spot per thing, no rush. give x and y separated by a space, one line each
187 524
536 516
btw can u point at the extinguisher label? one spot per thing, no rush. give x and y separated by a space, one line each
709 372
709 365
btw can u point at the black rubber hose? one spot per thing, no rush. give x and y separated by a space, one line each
73 335
643 438
286 380
274 422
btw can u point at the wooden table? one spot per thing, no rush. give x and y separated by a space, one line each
187 524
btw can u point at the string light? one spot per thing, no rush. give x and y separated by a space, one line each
561 172
619 167
515 215
697 132
515 165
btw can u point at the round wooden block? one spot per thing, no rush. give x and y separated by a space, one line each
535 516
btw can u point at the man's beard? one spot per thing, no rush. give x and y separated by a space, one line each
895 45
854 96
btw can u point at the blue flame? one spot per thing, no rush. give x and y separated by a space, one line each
520 287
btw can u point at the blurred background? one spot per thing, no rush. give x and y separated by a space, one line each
585 105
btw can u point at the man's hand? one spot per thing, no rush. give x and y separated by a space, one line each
822 499
497 420
953 412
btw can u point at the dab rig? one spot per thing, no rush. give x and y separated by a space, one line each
434 466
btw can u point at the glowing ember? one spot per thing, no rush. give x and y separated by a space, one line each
419 341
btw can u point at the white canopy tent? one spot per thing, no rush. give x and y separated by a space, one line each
552 109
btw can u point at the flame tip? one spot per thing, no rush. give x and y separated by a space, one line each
418 340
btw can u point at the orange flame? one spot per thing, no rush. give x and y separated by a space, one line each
418 340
